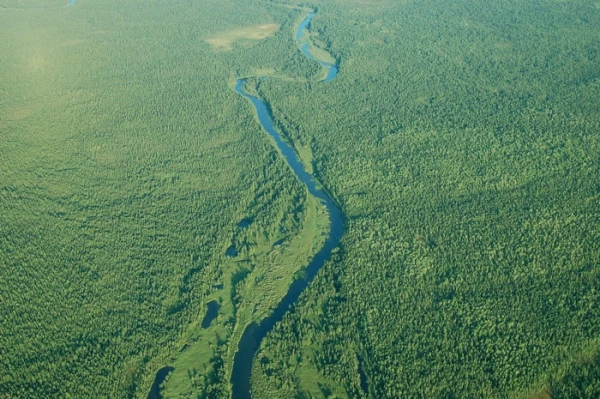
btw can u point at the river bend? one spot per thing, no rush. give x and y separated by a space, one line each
255 332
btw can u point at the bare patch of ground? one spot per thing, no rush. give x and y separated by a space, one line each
20 112
73 42
224 41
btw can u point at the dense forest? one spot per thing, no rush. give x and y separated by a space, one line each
128 168
460 140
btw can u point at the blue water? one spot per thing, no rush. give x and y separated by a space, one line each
158 380
72 2
254 333
286 150
332 70
231 252
212 311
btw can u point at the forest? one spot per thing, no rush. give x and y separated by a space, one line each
146 218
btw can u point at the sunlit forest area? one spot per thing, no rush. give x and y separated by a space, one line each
461 140
138 192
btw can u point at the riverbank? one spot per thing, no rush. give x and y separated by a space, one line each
241 378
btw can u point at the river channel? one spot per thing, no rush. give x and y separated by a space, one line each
255 332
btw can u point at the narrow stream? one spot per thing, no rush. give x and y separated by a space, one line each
254 333
332 70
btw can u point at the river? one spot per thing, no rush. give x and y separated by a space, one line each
255 332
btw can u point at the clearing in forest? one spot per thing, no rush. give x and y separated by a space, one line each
224 41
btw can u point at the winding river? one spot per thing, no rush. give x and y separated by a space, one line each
255 332
332 70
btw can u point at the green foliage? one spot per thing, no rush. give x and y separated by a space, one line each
461 140
126 163
580 379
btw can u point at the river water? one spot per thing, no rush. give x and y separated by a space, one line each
304 44
255 332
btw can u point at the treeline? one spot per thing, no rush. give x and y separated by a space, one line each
460 140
